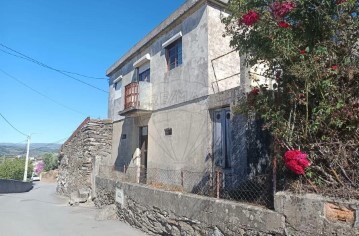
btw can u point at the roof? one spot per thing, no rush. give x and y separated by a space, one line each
186 7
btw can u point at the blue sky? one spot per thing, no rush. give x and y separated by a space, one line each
81 36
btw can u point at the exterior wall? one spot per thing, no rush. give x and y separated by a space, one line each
224 62
312 214
159 212
188 146
81 155
183 83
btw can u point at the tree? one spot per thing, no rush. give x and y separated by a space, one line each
50 161
14 169
310 49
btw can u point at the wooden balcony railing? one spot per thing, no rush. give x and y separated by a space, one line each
131 96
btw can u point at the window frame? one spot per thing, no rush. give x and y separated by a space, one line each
176 46
148 72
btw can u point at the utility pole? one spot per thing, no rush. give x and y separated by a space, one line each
27 157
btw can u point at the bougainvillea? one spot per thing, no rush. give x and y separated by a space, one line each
283 24
296 161
250 18
39 167
280 9
311 50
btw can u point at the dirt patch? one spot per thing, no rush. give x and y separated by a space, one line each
50 176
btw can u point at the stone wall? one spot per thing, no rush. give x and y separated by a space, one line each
14 186
159 212
81 156
311 214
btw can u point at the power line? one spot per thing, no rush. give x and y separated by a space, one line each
23 56
41 94
13 126
69 72
86 76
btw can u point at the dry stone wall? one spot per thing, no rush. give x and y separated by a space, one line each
81 156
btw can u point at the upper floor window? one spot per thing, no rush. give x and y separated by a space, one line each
118 87
145 76
174 54
173 47
142 68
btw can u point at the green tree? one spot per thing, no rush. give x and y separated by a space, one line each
50 161
14 169
311 51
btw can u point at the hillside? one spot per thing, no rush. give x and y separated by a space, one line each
36 149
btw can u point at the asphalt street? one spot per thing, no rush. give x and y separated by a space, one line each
41 212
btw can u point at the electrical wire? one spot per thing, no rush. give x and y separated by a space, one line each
25 57
8 122
41 94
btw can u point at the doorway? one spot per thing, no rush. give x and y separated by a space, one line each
222 138
144 148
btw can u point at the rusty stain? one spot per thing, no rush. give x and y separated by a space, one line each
336 213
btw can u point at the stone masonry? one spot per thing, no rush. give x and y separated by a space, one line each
81 155
159 212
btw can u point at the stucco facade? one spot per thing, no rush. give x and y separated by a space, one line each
176 110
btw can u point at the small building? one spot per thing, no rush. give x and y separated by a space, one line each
171 97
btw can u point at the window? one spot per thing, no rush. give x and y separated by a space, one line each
117 84
174 54
144 76
118 89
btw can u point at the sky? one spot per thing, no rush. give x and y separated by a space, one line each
41 41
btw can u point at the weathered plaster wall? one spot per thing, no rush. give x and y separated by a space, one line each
224 62
183 83
81 155
311 214
188 146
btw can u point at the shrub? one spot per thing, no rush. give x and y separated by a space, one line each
14 169
310 49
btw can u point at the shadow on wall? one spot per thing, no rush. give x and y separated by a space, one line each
125 147
129 141
258 148
250 177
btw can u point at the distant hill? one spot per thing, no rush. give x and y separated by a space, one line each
36 149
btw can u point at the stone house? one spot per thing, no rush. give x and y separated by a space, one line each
171 96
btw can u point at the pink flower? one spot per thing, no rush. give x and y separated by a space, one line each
340 1
280 9
283 24
296 161
334 67
250 18
303 51
254 91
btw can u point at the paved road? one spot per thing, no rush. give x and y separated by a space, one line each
41 212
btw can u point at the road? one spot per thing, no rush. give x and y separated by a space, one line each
41 212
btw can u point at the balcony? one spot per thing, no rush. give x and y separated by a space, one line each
137 99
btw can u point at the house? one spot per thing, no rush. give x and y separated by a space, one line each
170 96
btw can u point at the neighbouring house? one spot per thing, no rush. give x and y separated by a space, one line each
171 96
